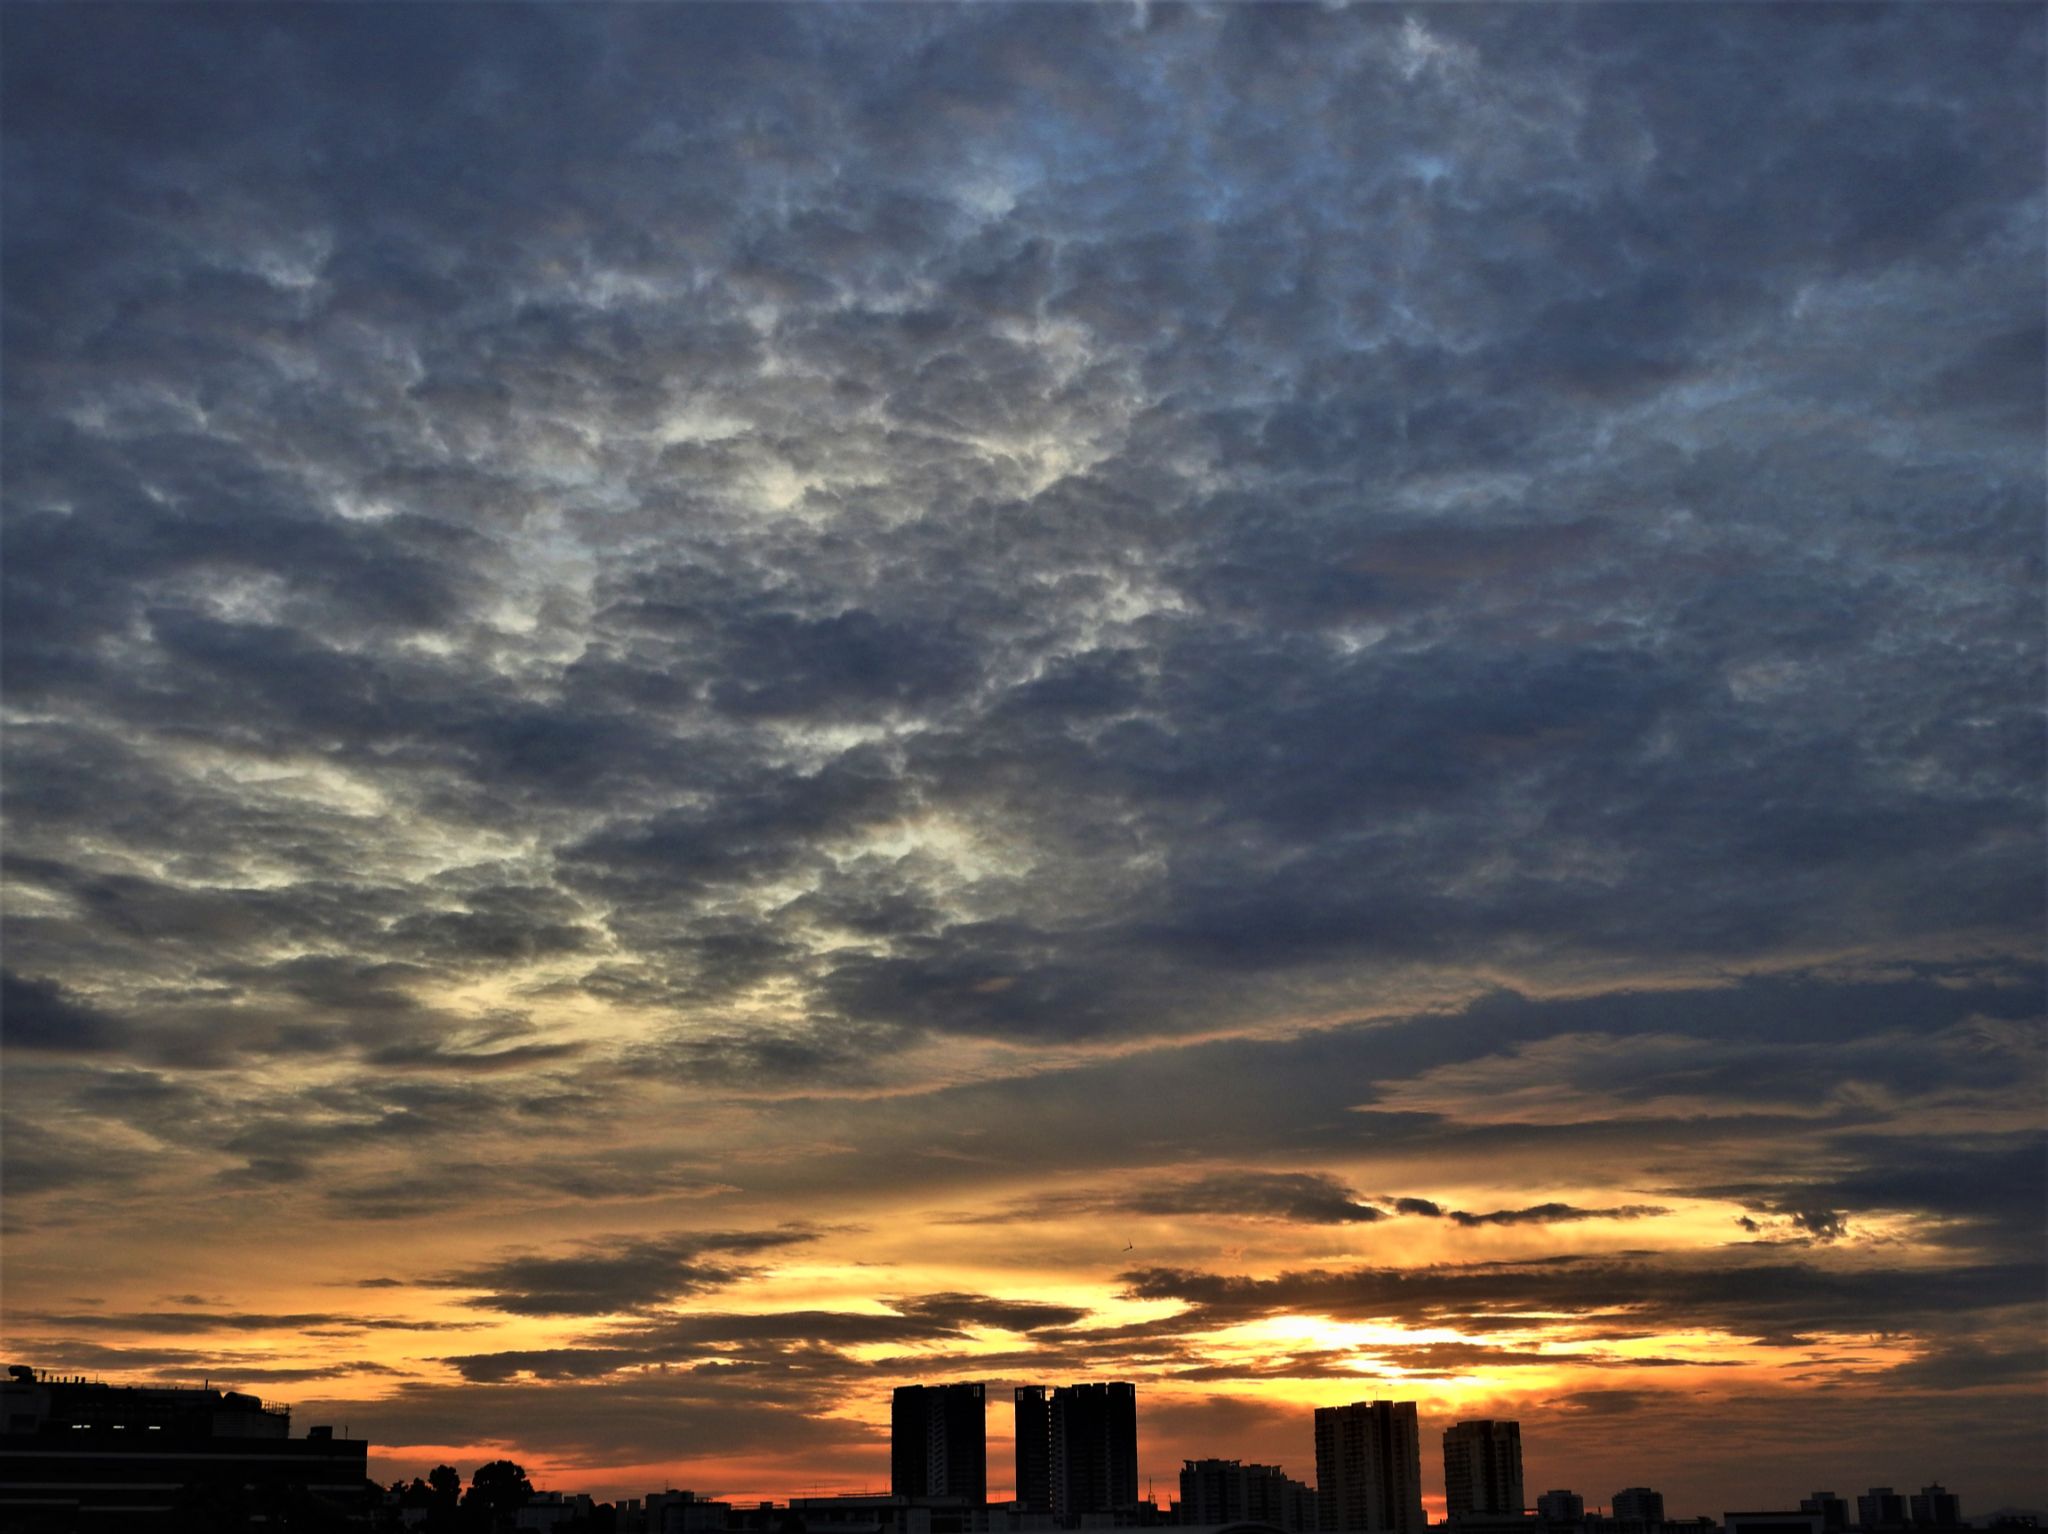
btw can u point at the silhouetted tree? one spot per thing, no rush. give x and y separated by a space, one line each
496 1492
444 1495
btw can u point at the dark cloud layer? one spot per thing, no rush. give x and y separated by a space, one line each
1316 558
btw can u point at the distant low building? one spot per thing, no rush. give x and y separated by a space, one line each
1935 1508
1494 1523
550 1509
676 1512
1561 1507
1793 1522
1228 1491
1881 1508
81 1454
1834 1510
1638 1506
887 1515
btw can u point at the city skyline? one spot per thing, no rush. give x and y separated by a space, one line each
708 707
1367 1457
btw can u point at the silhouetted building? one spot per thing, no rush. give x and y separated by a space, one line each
1032 1420
938 1442
83 1455
862 1514
1483 1467
1092 1432
1369 1468
1801 1522
1881 1508
1220 1491
548 1510
1639 1507
1934 1508
683 1512
1561 1507
1833 1510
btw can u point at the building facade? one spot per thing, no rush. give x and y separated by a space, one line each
938 1441
1093 1449
1833 1510
1935 1508
1220 1491
1483 1468
1369 1468
1032 1420
1639 1507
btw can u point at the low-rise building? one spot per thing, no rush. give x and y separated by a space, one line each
1793 1522
82 1454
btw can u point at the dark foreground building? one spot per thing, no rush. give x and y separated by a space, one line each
1033 1420
938 1442
1077 1451
79 1455
1094 1450
1214 1492
1483 1468
1369 1468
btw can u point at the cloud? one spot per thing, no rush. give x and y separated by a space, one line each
1550 1214
39 1016
611 1275
983 1311
1303 1197
185 1322
1060 618
1778 1303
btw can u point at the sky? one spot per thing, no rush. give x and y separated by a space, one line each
711 707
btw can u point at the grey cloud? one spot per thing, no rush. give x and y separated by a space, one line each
642 1415
490 1061
1552 1214
39 1016
1233 761
1773 1302
579 1178
617 1274
1989 1191
1307 1197
983 1310
184 1322
807 1341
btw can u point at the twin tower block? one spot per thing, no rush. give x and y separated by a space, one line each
1077 1446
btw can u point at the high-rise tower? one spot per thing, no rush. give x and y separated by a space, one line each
938 1442
1483 1467
1034 1449
1094 1448
1369 1468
